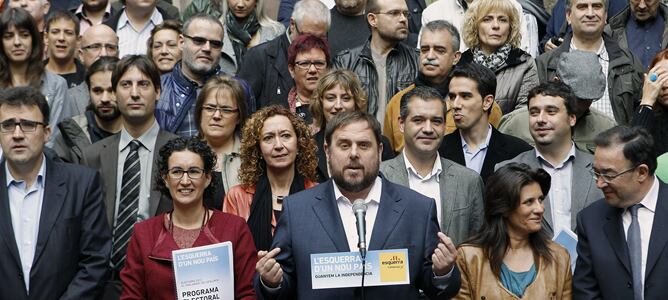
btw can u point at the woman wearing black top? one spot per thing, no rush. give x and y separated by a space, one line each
653 110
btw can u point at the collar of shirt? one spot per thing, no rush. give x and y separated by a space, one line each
41 175
156 18
601 52
649 201
484 146
147 139
435 170
80 12
543 161
374 193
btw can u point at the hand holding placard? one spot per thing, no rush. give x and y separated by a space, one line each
269 269
444 256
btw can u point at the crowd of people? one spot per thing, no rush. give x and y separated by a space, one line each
512 153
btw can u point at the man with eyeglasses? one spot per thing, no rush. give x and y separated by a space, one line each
126 160
552 115
384 65
98 41
622 238
201 49
54 241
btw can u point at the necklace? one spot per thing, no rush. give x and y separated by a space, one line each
171 220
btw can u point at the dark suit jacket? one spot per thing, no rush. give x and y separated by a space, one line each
311 223
501 147
603 268
103 156
415 7
73 243
265 68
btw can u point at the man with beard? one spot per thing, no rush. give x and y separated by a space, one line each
552 115
92 12
202 42
349 28
384 65
101 119
321 220
61 37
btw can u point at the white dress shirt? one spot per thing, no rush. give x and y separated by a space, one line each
132 40
427 185
348 219
25 207
561 185
475 159
146 149
645 220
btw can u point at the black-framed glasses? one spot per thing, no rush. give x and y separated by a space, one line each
608 178
9 126
193 173
200 41
396 13
306 64
96 47
224 110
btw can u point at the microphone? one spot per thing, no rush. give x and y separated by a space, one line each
359 209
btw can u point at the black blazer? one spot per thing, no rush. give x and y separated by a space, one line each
603 267
501 147
73 243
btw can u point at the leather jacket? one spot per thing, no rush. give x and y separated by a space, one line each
402 68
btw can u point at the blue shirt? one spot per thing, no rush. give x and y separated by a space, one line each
644 39
517 282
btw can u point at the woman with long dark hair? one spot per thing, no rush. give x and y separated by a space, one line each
512 256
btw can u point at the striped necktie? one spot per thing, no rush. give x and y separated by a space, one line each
128 206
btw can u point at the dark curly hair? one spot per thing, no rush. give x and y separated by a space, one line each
252 164
194 145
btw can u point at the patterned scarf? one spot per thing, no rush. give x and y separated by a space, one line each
494 61
241 34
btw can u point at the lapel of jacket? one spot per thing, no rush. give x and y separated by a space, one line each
54 197
494 149
108 167
452 148
658 238
614 231
580 186
279 54
398 166
449 189
162 138
327 212
6 229
389 211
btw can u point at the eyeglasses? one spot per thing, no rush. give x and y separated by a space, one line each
9 126
98 46
193 173
200 41
396 13
608 178
306 64
224 110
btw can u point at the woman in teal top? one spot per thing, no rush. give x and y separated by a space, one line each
512 257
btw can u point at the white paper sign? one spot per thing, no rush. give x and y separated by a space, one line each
204 273
344 269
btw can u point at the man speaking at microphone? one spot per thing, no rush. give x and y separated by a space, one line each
321 220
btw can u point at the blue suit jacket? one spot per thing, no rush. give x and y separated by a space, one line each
73 240
603 268
311 223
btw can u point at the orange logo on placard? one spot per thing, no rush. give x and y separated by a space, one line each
392 267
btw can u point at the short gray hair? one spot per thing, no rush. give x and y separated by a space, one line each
204 17
569 3
313 9
443 25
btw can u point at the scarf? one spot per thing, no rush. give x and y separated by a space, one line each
241 34
494 61
259 220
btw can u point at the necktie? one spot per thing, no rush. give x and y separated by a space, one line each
635 251
127 207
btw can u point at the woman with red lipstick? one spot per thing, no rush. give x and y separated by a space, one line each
184 174
653 111
337 91
163 45
21 61
492 33
277 159
511 257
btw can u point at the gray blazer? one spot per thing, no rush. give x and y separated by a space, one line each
583 188
461 196
103 156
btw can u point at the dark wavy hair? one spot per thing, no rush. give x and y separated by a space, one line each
21 19
502 198
194 145
252 163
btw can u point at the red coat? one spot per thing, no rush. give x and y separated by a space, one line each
148 272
